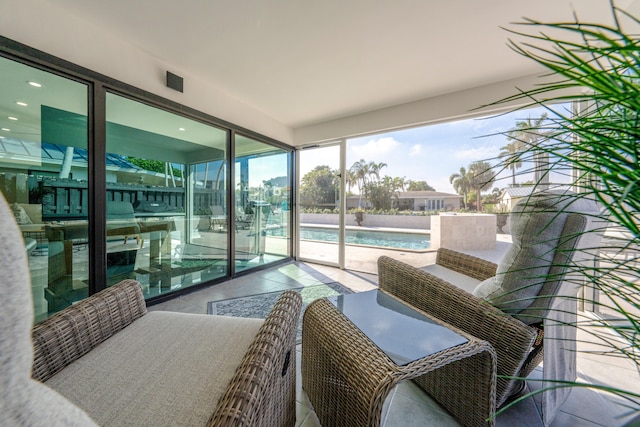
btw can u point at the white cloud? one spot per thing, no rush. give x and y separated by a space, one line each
473 154
415 150
375 149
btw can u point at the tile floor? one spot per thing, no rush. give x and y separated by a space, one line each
408 405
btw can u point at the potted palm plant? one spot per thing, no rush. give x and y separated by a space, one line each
358 215
596 68
502 215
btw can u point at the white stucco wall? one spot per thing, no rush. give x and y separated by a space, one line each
45 26
463 231
417 222
458 105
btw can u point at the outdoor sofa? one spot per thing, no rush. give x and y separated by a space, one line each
107 361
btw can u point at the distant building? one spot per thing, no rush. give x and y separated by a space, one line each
511 195
417 201
428 201
357 201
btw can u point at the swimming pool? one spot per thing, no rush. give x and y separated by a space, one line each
386 239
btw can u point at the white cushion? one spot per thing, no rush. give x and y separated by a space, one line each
165 369
537 224
461 281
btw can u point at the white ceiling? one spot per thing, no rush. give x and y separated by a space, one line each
304 62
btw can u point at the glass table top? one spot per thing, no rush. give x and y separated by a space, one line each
402 333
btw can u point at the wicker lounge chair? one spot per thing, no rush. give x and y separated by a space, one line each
106 360
535 311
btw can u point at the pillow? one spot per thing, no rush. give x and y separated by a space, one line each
537 223
21 215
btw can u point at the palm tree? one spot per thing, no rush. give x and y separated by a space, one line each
350 179
359 171
400 183
461 184
511 154
527 135
375 168
482 176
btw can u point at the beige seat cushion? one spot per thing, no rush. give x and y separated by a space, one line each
460 280
165 369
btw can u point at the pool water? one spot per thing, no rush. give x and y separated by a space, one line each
387 239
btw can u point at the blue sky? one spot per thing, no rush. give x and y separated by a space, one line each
429 153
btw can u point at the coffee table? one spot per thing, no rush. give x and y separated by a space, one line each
356 348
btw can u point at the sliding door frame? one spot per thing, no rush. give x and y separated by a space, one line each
342 174
98 85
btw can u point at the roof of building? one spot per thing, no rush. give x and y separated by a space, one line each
517 191
526 190
425 194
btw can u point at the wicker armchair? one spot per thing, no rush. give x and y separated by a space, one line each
261 392
511 339
536 310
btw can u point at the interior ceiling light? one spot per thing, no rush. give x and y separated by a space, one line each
181 129
12 118
22 104
6 130
34 84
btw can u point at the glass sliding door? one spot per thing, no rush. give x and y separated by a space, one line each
166 198
262 203
319 184
43 176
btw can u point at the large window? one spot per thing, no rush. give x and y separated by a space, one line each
166 205
401 179
262 200
109 183
43 176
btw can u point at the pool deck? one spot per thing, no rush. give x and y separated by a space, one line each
364 258
355 227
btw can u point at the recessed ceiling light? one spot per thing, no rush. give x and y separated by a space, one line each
12 118
22 104
6 130
34 84
181 129
1 137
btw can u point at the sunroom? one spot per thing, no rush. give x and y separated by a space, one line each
168 143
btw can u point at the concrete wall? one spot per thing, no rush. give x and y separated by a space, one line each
418 222
463 231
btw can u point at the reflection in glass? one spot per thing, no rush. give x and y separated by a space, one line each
262 200
43 176
166 207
